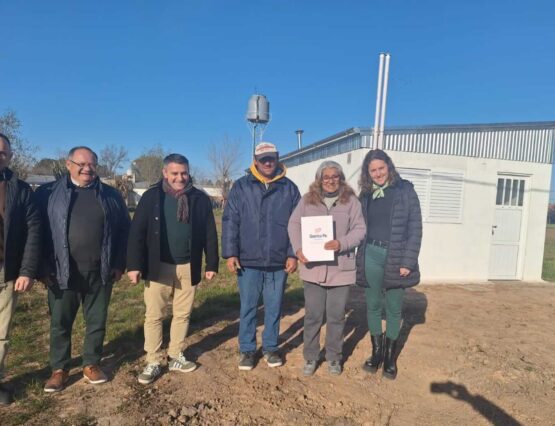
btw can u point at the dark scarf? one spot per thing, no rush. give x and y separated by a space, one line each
331 194
181 197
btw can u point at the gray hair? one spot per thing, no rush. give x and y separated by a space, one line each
176 158
329 165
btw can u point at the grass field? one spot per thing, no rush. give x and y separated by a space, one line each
549 254
27 362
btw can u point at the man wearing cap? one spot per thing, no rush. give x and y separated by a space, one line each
257 248
19 248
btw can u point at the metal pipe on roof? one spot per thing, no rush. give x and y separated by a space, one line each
378 102
384 101
299 133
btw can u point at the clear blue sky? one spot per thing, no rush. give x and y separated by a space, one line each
179 73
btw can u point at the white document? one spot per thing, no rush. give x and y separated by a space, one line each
316 231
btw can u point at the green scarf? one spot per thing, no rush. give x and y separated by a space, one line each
378 191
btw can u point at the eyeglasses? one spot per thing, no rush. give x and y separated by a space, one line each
330 178
83 165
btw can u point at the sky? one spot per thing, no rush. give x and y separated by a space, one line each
179 73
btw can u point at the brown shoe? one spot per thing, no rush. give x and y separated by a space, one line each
94 375
57 381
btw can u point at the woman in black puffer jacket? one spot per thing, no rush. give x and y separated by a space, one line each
387 261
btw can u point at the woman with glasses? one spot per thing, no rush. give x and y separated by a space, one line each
387 261
326 284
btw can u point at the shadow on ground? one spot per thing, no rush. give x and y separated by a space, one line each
494 414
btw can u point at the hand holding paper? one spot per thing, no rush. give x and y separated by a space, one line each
334 245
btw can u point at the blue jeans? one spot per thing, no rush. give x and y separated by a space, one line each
252 283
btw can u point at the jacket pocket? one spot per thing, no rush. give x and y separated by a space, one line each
347 262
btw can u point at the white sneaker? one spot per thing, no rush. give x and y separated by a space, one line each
151 372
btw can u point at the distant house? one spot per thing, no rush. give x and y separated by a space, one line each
484 191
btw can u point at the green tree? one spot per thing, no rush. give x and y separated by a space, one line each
47 166
23 153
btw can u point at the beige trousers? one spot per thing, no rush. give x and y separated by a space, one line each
172 292
8 298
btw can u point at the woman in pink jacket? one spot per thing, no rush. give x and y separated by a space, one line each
326 284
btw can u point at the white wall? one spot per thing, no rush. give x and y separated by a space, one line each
460 252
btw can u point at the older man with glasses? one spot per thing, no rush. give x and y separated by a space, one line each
86 224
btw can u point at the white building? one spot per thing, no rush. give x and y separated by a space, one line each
484 192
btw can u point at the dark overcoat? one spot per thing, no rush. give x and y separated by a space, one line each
405 238
143 250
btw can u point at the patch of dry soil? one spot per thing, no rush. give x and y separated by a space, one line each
471 354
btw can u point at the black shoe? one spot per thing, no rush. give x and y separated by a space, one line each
6 397
246 362
390 360
273 359
373 363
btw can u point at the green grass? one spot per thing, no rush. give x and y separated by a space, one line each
27 362
548 273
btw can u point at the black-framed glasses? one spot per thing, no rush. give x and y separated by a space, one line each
83 165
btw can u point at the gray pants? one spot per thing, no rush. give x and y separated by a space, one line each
7 308
331 302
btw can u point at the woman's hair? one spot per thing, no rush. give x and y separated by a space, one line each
365 183
315 192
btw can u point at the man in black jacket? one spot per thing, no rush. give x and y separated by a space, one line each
85 236
172 226
19 247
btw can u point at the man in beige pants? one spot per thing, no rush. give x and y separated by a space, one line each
19 248
172 226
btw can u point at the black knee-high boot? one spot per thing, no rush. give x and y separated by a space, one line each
389 361
373 363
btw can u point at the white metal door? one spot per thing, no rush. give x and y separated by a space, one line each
506 230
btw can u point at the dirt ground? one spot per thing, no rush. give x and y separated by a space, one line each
471 354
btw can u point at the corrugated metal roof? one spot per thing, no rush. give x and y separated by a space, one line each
530 142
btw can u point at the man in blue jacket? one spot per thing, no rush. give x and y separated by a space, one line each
256 246
85 238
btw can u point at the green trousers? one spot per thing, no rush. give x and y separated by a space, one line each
85 288
377 297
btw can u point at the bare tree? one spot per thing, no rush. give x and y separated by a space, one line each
225 158
148 166
23 153
199 177
112 157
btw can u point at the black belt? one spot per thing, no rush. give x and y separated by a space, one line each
382 244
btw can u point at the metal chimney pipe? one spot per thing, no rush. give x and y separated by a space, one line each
299 133
378 103
384 100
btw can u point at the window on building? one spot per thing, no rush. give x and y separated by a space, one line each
440 193
510 192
